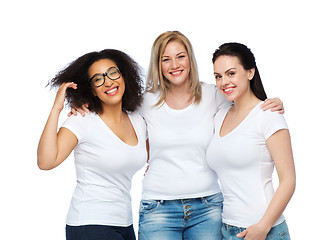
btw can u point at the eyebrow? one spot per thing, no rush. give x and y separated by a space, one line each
229 69
225 71
176 54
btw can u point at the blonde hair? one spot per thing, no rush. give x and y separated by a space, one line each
156 80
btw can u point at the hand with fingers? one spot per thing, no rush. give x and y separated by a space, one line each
81 110
274 104
254 232
60 96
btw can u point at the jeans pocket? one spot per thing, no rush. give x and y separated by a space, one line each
285 235
215 200
148 206
279 232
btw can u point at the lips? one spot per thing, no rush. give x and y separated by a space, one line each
176 73
112 91
228 90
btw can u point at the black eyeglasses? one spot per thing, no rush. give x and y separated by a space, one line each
112 73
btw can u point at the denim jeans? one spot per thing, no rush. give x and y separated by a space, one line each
279 232
182 219
99 232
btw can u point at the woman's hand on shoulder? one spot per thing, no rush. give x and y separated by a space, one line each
274 104
81 110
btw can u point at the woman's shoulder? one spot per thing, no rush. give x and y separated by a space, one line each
149 100
79 120
150 96
136 116
267 115
208 87
268 122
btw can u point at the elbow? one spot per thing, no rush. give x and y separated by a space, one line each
294 184
43 164
41 167
291 184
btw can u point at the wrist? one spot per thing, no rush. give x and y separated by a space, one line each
266 226
56 110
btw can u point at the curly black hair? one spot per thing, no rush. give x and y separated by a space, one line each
77 72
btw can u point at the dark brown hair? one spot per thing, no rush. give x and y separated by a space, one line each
77 72
247 60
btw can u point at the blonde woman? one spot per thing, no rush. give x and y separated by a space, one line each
181 197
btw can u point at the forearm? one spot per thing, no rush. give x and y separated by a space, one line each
47 148
278 203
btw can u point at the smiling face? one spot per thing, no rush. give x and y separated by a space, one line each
176 64
232 80
111 92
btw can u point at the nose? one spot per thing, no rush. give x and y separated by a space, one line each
174 64
108 82
224 82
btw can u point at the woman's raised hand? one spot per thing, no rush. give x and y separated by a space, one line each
60 96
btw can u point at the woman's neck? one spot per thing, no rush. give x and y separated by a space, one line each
245 103
113 113
179 97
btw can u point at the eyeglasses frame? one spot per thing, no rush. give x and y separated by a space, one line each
105 75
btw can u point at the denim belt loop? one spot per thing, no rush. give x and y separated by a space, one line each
161 202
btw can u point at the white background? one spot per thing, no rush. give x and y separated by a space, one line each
293 42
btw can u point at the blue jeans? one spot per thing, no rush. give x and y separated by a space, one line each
279 232
182 219
99 232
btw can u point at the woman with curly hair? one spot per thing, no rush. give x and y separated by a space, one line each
109 144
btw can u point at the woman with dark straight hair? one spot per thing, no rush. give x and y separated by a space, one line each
248 62
246 145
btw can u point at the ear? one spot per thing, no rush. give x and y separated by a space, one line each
251 73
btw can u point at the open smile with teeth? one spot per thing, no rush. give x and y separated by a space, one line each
228 90
176 73
112 91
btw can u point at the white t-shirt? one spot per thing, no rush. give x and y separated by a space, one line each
244 165
178 141
105 166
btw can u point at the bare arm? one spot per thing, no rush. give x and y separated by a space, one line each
279 145
54 147
148 148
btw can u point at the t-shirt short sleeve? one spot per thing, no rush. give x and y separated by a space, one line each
78 125
271 122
